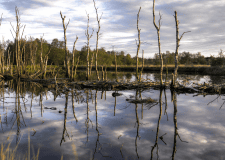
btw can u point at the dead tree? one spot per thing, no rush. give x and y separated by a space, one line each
142 60
177 48
75 72
45 62
158 33
142 64
88 38
96 54
138 44
65 42
2 65
41 63
17 41
1 54
92 58
33 50
1 20
23 61
74 51
115 62
8 59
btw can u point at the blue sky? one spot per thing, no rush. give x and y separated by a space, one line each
204 18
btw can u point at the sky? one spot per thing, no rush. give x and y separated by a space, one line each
204 18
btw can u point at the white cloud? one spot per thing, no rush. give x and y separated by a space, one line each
118 23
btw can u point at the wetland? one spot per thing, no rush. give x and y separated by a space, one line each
76 122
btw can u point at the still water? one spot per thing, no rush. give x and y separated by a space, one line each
90 124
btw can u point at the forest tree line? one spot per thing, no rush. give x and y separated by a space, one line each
31 51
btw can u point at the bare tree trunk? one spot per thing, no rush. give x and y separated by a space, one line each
139 43
17 41
1 20
88 38
65 42
105 72
74 51
34 55
158 33
92 58
24 58
96 54
46 63
102 74
142 60
3 50
41 63
142 64
115 66
2 57
76 66
8 59
177 48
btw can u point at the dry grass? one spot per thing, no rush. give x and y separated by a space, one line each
10 154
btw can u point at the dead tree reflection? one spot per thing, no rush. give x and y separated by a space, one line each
32 96
65 118
88 119
41 104
115 107
97 126
3 98
174 100
219 96
138 124
142 104
18 110
157 132
166 106
73 106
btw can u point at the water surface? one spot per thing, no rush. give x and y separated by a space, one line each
97 125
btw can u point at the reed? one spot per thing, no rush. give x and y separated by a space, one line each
11 154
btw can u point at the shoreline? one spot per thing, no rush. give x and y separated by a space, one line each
196 69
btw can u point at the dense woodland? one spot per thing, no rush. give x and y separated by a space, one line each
31 50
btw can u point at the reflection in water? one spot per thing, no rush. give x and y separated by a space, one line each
166 106
138 124
73 106
157 132
18 111
88 119
96 115
65 118
174 100
115 134
40 103
142 104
